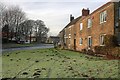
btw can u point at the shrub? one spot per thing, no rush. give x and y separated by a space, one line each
84 50
99 49
113 51
110 47
110 41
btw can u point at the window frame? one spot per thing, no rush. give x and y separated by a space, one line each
69 42
89 21
102 37
103 16
89 40
81 41
81 26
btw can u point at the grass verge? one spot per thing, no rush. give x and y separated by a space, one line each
53 63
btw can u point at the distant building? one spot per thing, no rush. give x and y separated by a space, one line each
89 30
53 39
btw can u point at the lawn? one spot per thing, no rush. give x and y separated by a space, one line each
52 63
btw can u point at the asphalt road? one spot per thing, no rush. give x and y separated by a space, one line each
40 46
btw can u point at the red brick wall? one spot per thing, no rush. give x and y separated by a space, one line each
97 29
70 30
73 31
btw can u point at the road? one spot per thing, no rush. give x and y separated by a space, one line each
40 46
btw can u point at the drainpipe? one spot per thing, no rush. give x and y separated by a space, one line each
116 22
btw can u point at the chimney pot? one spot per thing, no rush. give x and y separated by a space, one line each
71 17
85 12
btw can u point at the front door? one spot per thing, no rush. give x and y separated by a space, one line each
89 42
74 44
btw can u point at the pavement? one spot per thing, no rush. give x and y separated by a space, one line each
38 46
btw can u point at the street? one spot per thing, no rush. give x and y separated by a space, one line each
39 46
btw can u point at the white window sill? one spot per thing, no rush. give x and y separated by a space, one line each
102 45
104 21
80 44
101 22
88 48
89 27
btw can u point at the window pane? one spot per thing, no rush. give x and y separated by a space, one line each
100 18
89 42
89 23
81 26
102 40
81 41
105 15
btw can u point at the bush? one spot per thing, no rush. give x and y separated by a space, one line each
110 47
110 41
110 51
4 40
84 50
99 49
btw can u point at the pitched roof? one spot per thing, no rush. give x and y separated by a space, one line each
72 22
75 20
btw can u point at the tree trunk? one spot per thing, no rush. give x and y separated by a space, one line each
30 37
11 35
7 33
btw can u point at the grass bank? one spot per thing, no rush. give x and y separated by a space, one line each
52 63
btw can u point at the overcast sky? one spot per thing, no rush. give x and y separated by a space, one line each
55 13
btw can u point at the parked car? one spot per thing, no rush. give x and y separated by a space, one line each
21 42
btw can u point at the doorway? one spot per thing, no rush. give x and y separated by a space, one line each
74 44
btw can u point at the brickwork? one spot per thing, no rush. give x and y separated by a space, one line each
96 29
93 33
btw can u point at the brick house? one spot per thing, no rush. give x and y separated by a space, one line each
89 30
68 34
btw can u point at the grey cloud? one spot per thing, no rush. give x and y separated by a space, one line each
55 14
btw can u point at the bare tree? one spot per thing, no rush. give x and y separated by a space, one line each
12 17
2 8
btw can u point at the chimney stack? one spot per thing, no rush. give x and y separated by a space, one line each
71 17
85 12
